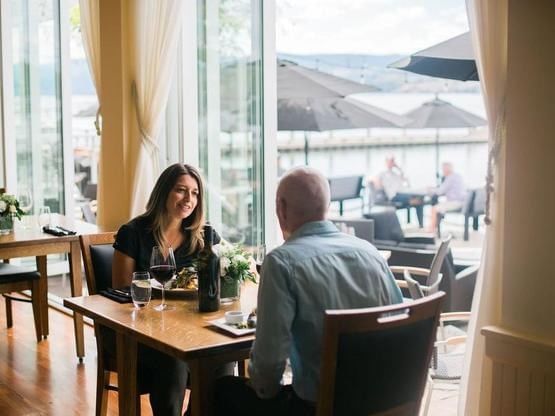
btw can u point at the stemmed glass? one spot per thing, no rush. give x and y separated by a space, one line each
162 268
44 217
259 254
25 204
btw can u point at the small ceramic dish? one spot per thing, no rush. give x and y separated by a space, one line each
234 317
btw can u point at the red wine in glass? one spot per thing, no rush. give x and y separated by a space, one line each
162 273
162 268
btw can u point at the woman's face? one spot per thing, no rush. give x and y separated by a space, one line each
183 197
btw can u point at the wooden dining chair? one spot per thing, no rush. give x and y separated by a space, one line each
15 279
375 360
98 254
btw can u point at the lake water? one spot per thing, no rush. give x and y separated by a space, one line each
417 161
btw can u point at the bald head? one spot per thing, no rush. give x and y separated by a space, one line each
303 195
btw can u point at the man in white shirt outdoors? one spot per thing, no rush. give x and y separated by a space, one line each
317 268
451 193
389 182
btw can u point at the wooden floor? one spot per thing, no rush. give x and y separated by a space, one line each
46 378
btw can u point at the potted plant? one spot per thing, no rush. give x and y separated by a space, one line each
235 268
9 208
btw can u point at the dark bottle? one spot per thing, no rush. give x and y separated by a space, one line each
208 274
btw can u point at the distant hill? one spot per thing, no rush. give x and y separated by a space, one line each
372 70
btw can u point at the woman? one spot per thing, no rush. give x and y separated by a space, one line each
174 218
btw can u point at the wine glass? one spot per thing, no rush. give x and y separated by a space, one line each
44 217
140 289
25 204
162 268
259 254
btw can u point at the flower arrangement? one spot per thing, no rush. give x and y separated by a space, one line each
235 263
9 206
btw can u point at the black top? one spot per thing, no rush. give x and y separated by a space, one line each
136 240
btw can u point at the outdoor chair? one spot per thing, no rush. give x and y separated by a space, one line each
346 188
367 368
448 354
98 254
388 231
363 228
473 207
432 276
458 280
15 279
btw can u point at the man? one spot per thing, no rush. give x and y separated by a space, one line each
317 268
389 182
452 193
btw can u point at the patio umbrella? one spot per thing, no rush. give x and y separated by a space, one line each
310 100
451 59
440 114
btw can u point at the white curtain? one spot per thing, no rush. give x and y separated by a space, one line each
155 34
488 24
90 32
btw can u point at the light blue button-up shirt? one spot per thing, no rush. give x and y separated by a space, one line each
317 268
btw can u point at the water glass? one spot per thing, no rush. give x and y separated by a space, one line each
141 289
43 217
259 254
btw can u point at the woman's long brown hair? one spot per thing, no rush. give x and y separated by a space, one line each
156 211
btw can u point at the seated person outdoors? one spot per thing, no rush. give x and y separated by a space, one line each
451 194
389 182
317 268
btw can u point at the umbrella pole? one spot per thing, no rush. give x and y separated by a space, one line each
438 178
306 148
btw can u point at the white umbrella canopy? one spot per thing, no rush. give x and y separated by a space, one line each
440 114
451 59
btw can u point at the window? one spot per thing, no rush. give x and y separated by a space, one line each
230 122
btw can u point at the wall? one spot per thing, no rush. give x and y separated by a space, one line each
528 294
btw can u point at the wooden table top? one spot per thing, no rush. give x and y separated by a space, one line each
22 236
183 332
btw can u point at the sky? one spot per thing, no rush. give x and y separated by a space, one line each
377 27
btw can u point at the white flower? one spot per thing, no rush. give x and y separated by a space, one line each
3 206
238 258
13 209
224 264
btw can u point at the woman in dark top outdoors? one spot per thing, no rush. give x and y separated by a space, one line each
174 218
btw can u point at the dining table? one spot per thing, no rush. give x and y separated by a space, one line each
182 332
28 240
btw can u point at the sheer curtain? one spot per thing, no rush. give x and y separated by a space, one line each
488 24
90 32
155 34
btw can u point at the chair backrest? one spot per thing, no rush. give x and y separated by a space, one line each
348 187
437 261
98 254
367 365
364 228
479 206
415 288
386 224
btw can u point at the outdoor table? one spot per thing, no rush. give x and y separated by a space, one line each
183 333
416 198
32 242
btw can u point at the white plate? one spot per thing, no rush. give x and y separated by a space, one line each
220 323
172 292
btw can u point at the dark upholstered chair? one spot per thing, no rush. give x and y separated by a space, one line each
15 279
367 365
364 228
346 188
474 206
98 254
388 231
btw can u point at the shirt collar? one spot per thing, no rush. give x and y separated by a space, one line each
314 228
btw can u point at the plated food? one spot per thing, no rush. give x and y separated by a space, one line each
186 278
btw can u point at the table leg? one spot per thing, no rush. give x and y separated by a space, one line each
126 352
77 290
43 294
